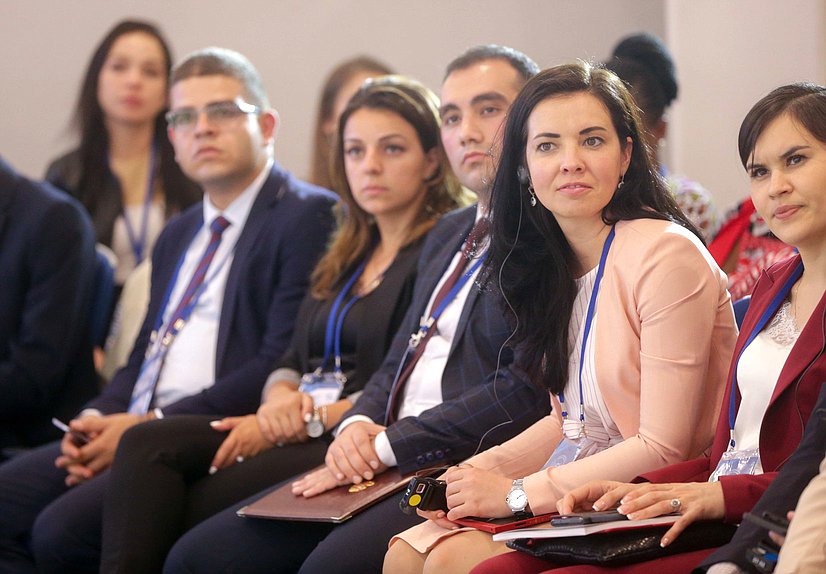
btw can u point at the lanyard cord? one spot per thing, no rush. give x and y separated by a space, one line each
589 317
761 323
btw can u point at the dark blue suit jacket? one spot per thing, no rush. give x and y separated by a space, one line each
478 411
47 262
285 234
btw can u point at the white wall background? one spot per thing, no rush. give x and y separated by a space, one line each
45 45
728 53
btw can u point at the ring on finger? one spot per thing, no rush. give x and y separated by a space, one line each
675 504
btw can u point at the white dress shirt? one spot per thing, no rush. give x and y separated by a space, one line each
190 362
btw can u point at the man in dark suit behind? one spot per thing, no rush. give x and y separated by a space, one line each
228 276
47 263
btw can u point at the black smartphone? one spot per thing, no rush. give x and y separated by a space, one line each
769 521
424 493
587 518
78 437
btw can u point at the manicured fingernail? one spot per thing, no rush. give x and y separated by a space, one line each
239 459
597 506
307 417
664 542
340 476
374 464
622 500
631 516
621 510
214 423
356 479
213 469
368 475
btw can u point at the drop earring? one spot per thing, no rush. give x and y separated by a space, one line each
621 182
532 194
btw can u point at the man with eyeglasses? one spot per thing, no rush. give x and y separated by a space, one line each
227 279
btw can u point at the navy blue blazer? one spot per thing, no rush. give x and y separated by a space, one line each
284 236
478 411
47 263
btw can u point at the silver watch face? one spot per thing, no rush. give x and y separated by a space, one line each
315 428
517 500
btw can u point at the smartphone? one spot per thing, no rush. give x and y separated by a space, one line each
78 437
769 521
580 518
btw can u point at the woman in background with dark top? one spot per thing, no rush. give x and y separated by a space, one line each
395 182
124 171
339 87
643 62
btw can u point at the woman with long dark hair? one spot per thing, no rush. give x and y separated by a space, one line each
778 366
123 170
620 313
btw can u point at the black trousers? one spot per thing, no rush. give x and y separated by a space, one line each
160 487
227 543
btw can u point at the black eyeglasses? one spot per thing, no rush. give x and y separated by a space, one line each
218 114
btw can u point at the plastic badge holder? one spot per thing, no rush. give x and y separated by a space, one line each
734 462
324 388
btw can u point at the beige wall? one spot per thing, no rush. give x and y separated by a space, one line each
728 54
45 46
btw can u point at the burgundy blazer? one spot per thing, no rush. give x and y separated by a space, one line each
791 403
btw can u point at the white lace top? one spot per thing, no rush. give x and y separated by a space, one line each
757 373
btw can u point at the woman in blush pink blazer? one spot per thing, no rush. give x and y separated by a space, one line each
778 366
628 280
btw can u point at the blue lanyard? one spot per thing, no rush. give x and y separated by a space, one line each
764 318
427 324
335 321
589 317
138 244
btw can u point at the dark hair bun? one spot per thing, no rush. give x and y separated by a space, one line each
649 52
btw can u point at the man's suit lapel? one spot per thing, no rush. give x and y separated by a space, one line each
439 264
257 221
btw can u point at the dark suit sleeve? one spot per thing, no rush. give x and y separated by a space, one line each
484 415
238 391
117 394
60 259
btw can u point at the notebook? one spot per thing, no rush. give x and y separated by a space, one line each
334 506
496 525
549 531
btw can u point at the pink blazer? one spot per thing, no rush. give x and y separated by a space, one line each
663 342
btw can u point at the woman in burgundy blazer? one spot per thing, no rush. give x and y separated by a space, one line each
783 147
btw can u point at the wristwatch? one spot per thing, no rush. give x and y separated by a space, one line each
318 423
517 499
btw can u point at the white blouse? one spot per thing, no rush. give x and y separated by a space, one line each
600 430
757 374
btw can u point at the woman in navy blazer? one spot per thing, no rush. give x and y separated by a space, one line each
395 181
782 145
